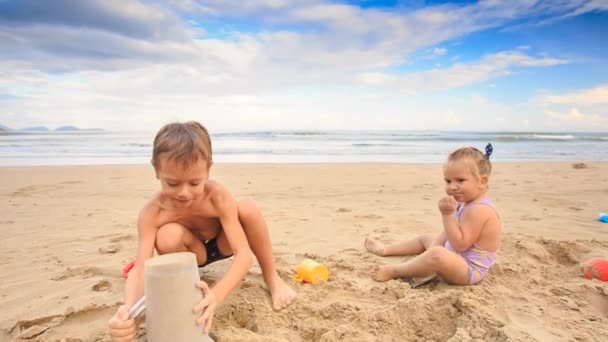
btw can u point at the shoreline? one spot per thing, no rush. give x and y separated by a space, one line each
306 163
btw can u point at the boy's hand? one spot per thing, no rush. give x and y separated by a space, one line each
447 205
206 307
120 327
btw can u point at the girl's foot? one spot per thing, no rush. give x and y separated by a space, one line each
375 246
382 273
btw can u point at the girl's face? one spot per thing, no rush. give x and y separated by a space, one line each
461 183
182 186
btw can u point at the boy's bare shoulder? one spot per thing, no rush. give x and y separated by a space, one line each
217 192
151 208
213 187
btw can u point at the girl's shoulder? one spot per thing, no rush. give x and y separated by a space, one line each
482 207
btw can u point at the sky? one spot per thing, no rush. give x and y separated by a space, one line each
258 65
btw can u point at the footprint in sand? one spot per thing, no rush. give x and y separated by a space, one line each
566 253
381 230
66 327
71 182
103 285
122 238
110 249
81 272
28 329
529 218
370 216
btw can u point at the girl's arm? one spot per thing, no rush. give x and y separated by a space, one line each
440 239
462 235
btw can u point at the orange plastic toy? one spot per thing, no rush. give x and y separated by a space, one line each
596 268
311 271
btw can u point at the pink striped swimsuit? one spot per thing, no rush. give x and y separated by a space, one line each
478 259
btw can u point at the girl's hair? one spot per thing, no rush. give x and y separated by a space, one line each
480 162
183 142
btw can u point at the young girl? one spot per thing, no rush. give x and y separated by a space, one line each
466 248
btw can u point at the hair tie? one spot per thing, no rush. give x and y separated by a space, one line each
488 151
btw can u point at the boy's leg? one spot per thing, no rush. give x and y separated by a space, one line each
448 265
173 237
413 246
258 237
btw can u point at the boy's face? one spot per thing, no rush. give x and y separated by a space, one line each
182 186
461 183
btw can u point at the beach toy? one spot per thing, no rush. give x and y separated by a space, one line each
312 272
603 217
596 268
171 294
127 269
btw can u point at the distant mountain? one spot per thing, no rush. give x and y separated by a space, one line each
46 129
74 128
67 128
35 129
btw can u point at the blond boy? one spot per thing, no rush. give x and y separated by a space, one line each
193 213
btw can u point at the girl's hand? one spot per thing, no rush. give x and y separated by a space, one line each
206 308
447 205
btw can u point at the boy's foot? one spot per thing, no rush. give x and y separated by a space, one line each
382 273
374 246
282 295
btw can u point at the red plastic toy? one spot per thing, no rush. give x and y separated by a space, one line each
127 269
596 268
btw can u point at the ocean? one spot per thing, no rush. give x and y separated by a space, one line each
105 147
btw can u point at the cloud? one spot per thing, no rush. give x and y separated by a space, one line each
586 97
586 7
123 17
451 119
68 35
239 63
439 51
461 74
573 115
312 35
577 119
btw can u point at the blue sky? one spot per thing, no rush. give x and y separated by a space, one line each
520 65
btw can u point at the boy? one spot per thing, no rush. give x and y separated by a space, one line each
195 214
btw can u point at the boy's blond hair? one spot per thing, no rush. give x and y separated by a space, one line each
182 142
479 163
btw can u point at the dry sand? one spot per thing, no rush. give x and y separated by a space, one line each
68 231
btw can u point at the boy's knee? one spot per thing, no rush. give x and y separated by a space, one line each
169 237
247 207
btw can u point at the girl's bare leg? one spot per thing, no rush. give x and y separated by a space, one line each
413 246
435 260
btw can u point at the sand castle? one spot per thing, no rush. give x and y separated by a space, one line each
171 293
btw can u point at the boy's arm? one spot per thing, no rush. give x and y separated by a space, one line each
227 209
146 230
462 236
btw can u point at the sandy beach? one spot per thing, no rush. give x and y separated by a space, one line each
68 231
